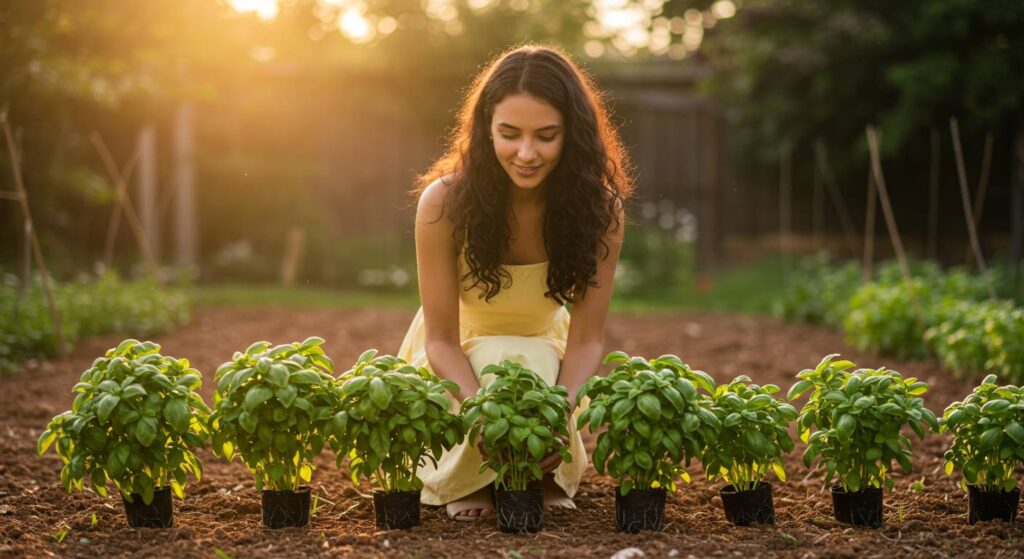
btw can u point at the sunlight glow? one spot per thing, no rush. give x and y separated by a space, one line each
355 26
264 9
723 9
594 48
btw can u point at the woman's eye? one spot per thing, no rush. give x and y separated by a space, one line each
548 139
507 137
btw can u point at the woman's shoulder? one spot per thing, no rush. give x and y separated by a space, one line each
431 206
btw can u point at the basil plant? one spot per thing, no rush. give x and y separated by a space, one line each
393 418
988 436
858 415
754 434
520 419
273 409
657 419
134 422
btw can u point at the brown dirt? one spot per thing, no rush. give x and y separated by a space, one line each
222 512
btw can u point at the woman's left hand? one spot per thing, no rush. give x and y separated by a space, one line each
553 460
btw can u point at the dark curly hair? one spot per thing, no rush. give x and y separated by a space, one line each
582 195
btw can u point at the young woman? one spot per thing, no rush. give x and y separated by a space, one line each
520 217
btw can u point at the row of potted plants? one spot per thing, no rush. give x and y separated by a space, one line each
137 417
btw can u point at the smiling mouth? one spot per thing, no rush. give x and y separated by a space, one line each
525 169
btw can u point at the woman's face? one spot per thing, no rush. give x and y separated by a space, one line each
528 135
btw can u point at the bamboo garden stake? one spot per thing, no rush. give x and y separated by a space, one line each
972 230
36 249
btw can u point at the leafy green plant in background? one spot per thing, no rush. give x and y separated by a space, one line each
273 409
134 422
958 339
820 292
975 336
988 436
658 257
88 307
519 419
857 416
657 420
754 435
393 417
887 316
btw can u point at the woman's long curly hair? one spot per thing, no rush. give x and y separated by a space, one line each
583 194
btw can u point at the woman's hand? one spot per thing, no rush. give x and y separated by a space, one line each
553 460
547 464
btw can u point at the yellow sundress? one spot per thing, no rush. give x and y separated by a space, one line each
519 324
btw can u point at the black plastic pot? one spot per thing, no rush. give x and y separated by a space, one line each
744 508
398 510
519 511
991 505
640 509
158 514
286 509
860 508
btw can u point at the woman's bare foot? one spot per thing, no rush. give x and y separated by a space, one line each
475 506
554 496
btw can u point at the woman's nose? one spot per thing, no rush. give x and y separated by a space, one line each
526 151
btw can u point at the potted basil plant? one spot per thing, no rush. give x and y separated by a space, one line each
134 422
858 416
273 409
988 445
393 418
657 421
750 445
518 419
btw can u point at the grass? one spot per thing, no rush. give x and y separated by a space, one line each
747 289
750 289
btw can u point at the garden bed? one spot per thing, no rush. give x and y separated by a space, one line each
222 512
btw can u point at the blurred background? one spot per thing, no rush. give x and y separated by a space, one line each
265 148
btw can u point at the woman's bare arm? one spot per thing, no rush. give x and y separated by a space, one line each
437 271
585 346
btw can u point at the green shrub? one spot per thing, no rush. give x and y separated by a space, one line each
971 337
858 416
754 434
658 256
393 417
988 436
820 293
88 307
134 422
519 419
657 420
885 318
273 409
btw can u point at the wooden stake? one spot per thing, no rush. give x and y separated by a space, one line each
867 267
890 219
293 249
817 210
120 178
36 248
979 196
121 194
965 197
821 154
933 195
786 204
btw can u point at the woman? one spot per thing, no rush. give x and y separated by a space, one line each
522 215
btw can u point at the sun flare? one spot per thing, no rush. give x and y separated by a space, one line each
264 9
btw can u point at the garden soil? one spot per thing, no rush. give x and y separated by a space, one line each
221 514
